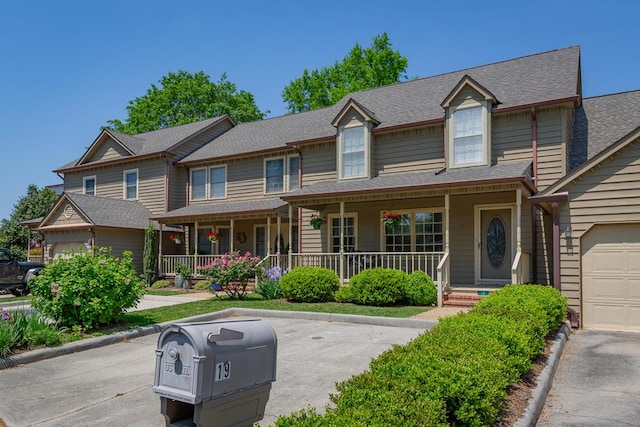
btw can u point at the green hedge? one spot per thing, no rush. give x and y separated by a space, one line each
378 286
309 284
456 374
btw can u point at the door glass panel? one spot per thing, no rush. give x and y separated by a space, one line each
496 242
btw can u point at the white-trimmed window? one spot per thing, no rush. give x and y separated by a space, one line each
349 232
468 137
199 184
209 183
353 152
218 182
419 231
89 185
130 178
281 173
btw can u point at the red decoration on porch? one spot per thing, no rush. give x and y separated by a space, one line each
176 238
213 236
391 219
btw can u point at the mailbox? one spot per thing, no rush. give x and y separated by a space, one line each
215 373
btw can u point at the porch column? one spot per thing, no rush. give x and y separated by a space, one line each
196 225
446 222
159 251
278 234
268 236
518 220
342 242
232 225
290 238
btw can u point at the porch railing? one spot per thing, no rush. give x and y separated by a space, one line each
443 282
520 268
346 265
349 264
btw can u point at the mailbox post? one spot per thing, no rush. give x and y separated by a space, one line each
215 373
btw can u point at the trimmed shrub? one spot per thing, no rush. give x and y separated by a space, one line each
420 289
456 374
202 285
378 286
310 284
85 290
544 302
159 284
343 294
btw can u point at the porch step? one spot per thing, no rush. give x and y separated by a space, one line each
466 297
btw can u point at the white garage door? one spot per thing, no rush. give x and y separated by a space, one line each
66 249
611 278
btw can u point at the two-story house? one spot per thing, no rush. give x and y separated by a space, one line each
118 184
495 174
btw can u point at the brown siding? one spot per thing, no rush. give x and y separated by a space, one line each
109 182
123 240
409 151
551 147
609 193
319 163
511 137
59 217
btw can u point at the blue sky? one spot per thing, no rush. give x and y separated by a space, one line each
69 66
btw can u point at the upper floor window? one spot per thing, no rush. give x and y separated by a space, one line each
209 183
89 184
131 184
469 137
198 184
280 174
353 153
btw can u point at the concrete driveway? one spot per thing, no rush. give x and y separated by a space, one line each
597 382
112 385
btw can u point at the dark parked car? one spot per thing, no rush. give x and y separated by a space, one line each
14 274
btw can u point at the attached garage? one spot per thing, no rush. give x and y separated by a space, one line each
610 270
67 248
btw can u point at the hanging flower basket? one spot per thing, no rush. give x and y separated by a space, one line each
391 220
213 236
317 221
176 238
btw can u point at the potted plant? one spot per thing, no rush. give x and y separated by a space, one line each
316 221
391 220
183 274
176 238
213 236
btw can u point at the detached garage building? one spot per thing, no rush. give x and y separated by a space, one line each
596 215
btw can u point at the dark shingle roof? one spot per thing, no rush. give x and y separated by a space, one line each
155 141
527 80
415 180
225 208
600 121
106 212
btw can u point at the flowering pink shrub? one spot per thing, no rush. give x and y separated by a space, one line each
232 271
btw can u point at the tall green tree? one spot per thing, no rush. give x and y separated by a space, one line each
362 68
35 204
150 254
183 98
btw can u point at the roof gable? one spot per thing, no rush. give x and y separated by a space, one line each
358 108
465 82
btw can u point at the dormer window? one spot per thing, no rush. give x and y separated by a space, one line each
353 153
468 140
468 128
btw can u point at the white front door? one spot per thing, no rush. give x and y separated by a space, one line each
495 241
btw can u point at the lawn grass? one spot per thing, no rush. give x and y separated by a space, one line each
180 311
